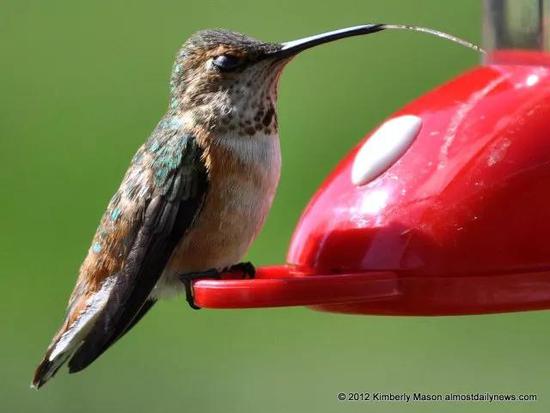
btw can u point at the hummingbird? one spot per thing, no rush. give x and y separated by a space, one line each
195 196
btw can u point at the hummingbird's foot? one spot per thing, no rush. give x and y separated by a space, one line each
187 280
247 269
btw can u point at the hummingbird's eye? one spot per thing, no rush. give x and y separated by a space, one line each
227 62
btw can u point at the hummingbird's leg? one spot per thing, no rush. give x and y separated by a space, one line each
246 268
187 280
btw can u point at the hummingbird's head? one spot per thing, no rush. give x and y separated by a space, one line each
226 80
223 79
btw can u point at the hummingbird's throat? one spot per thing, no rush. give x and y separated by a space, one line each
243 106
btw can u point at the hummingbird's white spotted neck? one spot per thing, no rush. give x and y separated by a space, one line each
252 101
244 106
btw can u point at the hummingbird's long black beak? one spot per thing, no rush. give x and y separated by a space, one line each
294 47
289 49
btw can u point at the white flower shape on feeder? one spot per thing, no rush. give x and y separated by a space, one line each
385 146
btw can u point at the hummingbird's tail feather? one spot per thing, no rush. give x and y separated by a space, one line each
67 343
79 321
83 357
46 370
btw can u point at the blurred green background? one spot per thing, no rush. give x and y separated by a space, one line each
82 85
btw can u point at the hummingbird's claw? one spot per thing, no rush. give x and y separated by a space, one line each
187 280
247 269
189 293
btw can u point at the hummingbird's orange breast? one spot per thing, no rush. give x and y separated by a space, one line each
244 174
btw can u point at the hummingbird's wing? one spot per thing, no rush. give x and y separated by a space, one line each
159 198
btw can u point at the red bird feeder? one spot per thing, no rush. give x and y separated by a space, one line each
444 209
